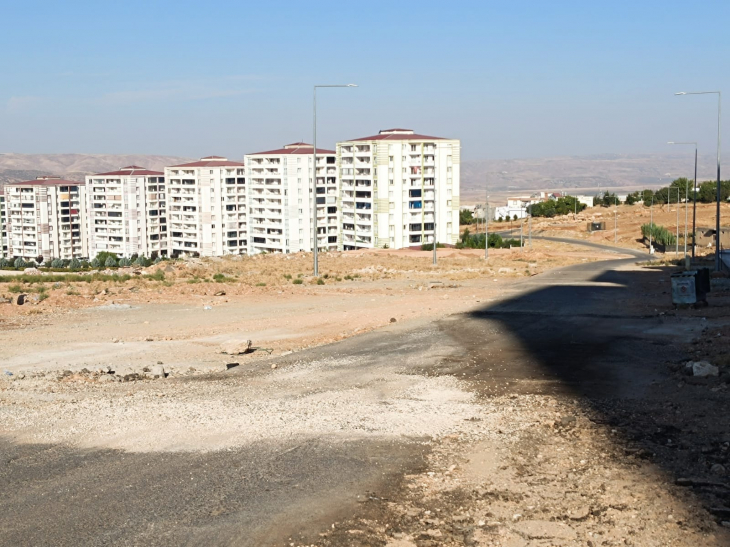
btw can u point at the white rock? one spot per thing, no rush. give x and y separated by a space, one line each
156 371
703 368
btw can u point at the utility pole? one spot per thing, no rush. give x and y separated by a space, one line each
615 222
435 206
718 261
651 223
486 225
529 226
522 244
686 203
676 249
694 209
315 244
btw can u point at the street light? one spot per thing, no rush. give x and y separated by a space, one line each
686 204
314 176
717 220
486 224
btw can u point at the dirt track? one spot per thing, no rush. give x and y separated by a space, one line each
540 415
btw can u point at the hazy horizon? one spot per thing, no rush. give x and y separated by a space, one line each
511 81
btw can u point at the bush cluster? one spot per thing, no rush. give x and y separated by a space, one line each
659 234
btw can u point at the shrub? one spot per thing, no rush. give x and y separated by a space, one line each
159 275
104 255
287 276
142 262
4 263
42 297
19 263
125 262
260 284
429 246
74 264
110 262
158 260
658 234
320 281
297 281
95 263
57 263
15 288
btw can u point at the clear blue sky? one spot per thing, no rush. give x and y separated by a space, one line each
509 78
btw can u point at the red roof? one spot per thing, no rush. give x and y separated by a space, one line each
46 181
398 135
295 148
211 161
132 169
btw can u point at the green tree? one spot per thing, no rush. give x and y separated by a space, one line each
707 191
466 217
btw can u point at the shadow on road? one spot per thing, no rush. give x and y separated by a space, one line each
602 339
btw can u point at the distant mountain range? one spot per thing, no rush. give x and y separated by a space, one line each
569 173
20 167
575 174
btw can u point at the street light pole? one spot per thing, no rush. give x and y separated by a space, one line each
686 203
315 243
435 206
651 223
486 225
676 240
718 262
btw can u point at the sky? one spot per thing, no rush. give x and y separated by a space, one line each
511 79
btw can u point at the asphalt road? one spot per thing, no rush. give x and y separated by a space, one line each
263 494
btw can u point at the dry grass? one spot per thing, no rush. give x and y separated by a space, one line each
270 274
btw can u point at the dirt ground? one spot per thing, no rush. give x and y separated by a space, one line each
533 467
629 219
186 319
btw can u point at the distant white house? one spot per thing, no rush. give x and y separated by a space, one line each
516 206
585 200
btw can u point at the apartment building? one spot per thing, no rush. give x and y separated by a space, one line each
280 199
46 218
398 189
206 207
127 212
3 226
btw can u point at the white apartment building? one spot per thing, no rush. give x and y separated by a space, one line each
126 210
47 217
3 226
395 186
206 207
280 199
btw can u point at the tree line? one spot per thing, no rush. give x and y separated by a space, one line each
678 189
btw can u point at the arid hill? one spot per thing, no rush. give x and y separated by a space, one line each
579 173
19 167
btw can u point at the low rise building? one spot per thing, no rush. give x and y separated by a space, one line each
516 207
398 189
46 218
280 199
206 207
127 212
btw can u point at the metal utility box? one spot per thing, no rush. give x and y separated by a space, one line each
596 226
683 287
